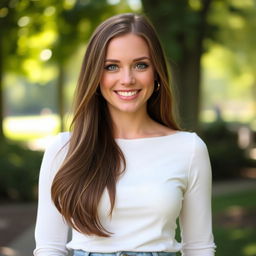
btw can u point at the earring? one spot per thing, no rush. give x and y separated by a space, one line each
157 85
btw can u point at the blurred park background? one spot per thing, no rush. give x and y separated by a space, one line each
211 48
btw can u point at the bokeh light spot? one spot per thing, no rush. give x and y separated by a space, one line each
23 21
49 11
45 54
3 12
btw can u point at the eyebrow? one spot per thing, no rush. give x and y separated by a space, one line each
137 59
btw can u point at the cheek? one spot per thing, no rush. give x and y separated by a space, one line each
106 82
148 80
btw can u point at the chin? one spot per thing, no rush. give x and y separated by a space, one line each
128 111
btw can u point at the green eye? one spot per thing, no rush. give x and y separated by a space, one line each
141 66
111 67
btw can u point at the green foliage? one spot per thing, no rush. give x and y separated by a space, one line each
180 24
227 158
40 37
19 168
243 199
235 239
189 28
230 65
32 27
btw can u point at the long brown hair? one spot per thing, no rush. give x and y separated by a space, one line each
94 160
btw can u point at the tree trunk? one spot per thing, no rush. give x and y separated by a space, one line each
184 48
188 83
60 95
1 91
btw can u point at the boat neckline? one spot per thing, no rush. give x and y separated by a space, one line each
150 138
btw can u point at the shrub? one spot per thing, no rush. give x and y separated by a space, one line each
227 158
19 168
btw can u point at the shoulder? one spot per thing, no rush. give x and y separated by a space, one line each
199 145
62 138
54 155
188 143
194 150
191 139
199 159
57 148
188 139
58 141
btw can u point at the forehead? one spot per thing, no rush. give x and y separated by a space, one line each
127 46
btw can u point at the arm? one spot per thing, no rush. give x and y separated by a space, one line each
196 217
51 230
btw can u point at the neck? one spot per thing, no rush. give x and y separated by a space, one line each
131 125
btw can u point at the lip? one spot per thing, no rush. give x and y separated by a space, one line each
127 97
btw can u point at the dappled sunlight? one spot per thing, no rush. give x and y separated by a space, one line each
236 216
23 21
31 127
234 223
4 12
68 4
49 11
217 60
244 3
227 84
45 54
250 249
45 38
36 72
236 110
7 251
208 115
236 22
249 173
35 131
253 153
238 234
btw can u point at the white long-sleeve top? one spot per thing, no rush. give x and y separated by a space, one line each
166 178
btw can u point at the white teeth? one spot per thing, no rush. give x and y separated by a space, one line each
126 94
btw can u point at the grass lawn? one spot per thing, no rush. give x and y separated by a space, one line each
234 222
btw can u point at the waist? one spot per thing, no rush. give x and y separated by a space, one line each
122 253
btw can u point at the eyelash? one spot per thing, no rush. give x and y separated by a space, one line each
145 65
111 66
108 67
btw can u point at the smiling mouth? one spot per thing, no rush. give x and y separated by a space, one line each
127 93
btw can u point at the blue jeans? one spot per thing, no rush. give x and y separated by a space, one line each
124 253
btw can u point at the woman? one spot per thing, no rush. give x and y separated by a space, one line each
126 172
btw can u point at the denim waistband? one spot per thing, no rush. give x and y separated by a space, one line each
122 253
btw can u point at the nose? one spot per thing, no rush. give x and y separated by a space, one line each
127 77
